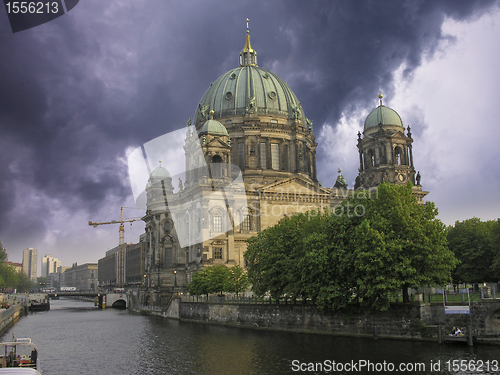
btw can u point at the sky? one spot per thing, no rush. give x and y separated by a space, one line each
79 93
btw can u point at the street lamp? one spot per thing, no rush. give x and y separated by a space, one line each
175 278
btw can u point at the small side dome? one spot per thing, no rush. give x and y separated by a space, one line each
213 127
159 173
382 115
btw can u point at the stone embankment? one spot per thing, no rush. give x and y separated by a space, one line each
10 316
401 321
418 321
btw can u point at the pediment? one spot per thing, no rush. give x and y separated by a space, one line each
387 133
217 142
295 185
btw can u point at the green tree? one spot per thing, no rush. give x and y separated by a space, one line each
495 239
474 243
200 283
3 253
7 272
326 268
208 280
218 276
272 258
8 276
24 283
237 281
367 250
416 252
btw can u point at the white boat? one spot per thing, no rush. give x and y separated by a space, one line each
19 357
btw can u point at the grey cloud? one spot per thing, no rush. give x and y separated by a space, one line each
80 90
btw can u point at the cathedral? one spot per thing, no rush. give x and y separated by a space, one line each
250 158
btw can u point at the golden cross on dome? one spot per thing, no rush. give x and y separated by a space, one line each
339 170
159 161
247 26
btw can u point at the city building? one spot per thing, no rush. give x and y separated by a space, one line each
83 277
134 266
54 279
250 121
49 265
18 267
30 260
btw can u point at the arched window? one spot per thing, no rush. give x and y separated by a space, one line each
217 222
371 158
263 155
397 155
275 156
241 155
382 156
216 166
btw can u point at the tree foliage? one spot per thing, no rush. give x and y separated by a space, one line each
367 250
495 238
3 253
475 244
237 281
9 277
200 283
219 279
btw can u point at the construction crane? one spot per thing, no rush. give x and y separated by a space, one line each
121 243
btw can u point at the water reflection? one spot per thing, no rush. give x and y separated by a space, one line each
76 338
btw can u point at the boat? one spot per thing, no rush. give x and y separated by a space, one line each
453 338
20 357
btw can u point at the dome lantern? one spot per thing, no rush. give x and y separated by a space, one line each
248 56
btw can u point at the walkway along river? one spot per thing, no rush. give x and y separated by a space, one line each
74 338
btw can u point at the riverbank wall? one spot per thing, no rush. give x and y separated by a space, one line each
413 321
10 316
400 321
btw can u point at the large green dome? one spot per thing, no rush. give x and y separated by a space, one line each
383 115
249 89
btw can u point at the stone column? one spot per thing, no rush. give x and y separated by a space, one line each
411 154
313 156
257 150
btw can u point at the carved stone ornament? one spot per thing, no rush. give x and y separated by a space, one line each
251 108
204 112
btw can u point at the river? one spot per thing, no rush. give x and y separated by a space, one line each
75 337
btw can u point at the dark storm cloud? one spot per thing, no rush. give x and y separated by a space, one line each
351 49
77 92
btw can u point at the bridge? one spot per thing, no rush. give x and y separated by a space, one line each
116 300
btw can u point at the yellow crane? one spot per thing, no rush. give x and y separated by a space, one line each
121 251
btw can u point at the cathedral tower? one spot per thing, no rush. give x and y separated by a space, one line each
386 152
